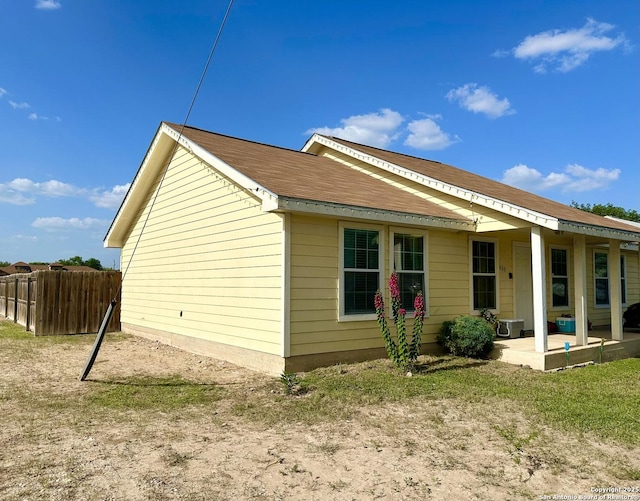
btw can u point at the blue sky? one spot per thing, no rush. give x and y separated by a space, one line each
544 95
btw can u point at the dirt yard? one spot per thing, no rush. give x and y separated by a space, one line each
51 448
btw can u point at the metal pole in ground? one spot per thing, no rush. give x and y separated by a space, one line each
99 338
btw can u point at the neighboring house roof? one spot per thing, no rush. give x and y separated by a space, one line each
22 267
476 184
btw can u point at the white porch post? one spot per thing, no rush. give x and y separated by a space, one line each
580 289
615 290
539 272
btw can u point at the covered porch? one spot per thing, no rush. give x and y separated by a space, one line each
586 273
522 351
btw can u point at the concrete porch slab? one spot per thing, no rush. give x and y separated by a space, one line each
521 351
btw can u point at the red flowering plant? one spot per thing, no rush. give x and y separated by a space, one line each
402 353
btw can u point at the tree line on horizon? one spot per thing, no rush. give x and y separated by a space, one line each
92 262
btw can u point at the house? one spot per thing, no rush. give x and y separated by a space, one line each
270 258
22 267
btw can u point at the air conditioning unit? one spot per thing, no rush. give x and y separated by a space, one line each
510 327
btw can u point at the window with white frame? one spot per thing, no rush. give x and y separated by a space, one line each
623 281
559 278
601 276
484 267
361 253
409 262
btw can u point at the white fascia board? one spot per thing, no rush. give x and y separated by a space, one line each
123 216
599 231
517 211
268 197
339 210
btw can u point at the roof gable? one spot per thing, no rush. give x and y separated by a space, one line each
480 190
305 176
284 179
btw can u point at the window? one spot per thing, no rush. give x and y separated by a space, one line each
623 281
408 261
601 274
483 268
361 266
559 278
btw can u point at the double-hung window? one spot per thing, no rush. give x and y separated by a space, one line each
601 276
484 258
559 278
361 263
623 280
409 262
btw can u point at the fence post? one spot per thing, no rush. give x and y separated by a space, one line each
15 302
6 298
28 303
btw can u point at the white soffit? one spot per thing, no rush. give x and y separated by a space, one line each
370 214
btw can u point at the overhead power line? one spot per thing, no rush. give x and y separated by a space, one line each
109 312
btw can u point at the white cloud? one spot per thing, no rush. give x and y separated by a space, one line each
22 191
477 99
74 223
19 106
374 129
2 92
110 199
425 134
48 4
51 188
35 116
28 238
568 49
574 179
14 198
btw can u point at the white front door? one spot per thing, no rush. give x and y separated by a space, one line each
523 283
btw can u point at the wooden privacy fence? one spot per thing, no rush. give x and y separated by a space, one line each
61 302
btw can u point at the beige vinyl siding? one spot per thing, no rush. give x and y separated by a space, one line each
314 292
448 280
209 263
314 287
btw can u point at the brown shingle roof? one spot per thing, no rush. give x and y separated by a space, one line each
295 174
474 182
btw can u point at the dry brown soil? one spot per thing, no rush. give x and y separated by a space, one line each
433 450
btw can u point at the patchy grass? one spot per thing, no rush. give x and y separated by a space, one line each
600 399
10 331
147 393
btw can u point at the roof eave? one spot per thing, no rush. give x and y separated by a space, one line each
598 231
290 204
224 168
114 237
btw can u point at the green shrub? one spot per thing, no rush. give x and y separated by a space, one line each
467 336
